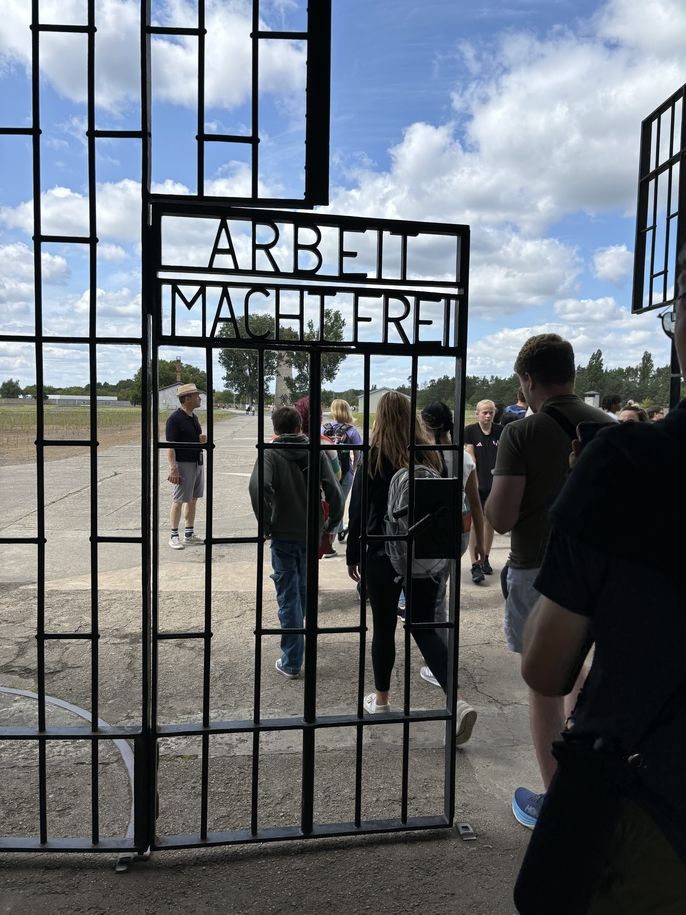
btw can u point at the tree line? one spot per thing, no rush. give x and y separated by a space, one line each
644 383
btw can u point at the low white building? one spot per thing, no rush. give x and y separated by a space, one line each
81 400
169 401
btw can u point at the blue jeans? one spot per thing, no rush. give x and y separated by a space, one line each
289 564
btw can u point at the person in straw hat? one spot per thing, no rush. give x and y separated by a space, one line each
186 470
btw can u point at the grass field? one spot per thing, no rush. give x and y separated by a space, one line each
116 426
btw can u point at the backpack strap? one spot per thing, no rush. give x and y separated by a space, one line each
563 422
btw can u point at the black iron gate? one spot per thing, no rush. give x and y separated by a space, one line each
293 273
292 266
661 218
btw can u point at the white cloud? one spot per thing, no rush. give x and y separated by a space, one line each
112 253
17 264
65 211
613 264
544 127
228 50
510 272
656 28
589 325
591 311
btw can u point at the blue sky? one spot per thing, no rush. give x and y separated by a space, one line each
520 118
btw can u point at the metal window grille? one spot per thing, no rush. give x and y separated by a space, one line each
661 208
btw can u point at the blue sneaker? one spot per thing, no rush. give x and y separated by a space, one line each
526 806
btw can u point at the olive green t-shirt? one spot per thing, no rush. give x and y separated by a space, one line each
538 448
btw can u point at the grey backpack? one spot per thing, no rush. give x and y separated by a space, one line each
396 522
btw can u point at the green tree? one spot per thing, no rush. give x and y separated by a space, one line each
299 384
10 388
592 378
241 365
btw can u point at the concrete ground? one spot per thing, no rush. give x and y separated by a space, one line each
414 871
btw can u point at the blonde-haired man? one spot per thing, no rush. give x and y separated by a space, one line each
481 442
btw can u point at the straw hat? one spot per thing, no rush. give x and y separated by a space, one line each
184 389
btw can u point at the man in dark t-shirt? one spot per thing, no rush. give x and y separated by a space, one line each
533 459
603 582
185 465
481 442
604 585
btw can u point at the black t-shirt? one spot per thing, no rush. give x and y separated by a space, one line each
615 556
638 623
486 451
184 428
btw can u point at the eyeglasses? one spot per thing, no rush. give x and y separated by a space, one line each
668 320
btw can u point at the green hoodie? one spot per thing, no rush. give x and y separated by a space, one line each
285 490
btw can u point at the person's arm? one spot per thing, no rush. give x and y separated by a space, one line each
472 491
169 434
509 482
267 493
355 456
503 505
556 643
471 452
174 474
334 463
352 549
332 492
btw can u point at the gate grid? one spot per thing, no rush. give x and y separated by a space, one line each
661 218
375 273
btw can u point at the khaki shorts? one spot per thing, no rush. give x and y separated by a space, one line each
192 483
520 602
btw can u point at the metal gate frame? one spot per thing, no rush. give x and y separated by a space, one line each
453 345
661 216
145 735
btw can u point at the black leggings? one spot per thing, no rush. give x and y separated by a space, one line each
383 593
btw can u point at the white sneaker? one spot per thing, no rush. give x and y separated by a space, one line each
193 540
372 706
175 543
425 674
465 719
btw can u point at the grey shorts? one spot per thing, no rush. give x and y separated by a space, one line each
192 483
520 602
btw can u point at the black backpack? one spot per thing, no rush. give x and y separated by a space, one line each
339 436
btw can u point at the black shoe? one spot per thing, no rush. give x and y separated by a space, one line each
477 574
486 567
342 534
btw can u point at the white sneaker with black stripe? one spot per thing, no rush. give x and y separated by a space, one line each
175 542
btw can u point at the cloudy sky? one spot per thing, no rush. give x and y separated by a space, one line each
520 118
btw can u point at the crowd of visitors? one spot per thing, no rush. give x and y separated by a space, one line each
570 483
